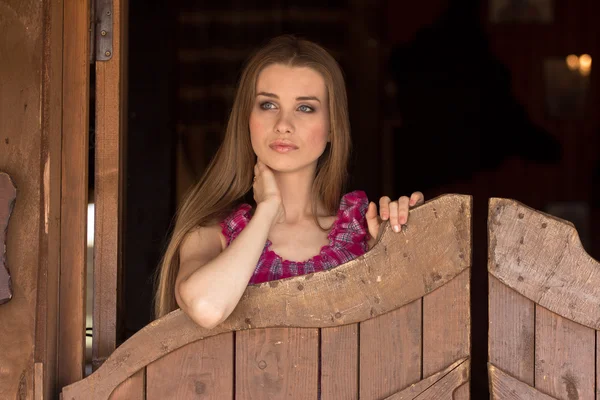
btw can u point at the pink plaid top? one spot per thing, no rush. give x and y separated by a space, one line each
347 240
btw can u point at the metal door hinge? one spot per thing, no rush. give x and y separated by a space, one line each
102 30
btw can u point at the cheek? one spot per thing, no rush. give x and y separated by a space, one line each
256 126
318 138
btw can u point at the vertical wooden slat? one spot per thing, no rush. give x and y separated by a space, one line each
277 363
390 351
564 357
511 332
134 388
446 326
339 362
597 365
48 279
71 346
203 369
38 381
108 189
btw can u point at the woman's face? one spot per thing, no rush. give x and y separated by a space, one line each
289 122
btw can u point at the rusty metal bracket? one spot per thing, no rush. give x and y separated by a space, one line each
103 24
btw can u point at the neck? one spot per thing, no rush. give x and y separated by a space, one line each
296 193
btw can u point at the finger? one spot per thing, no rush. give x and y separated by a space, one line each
403 209
256 170
416 198
372 220
394 216
384 209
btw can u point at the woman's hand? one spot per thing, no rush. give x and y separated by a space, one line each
266 191
394 211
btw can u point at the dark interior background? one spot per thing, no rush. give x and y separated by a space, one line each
442 98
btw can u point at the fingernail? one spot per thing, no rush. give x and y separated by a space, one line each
396 228
402 221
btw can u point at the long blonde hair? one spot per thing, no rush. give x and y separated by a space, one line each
229 175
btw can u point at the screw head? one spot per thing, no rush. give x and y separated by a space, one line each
103 33
107 53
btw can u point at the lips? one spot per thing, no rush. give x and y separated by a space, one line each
282 146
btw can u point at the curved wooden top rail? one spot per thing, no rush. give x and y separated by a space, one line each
431 250
541 257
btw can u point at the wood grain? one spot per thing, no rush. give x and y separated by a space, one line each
339 362
541 257
21 65
505 387
74 199
447 324
38 381
440 385
110 137
597 365
399 269
202 369
390 351
511 334
564 357
277 363
133 388
8 195
46 330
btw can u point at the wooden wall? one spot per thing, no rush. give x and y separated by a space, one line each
21 156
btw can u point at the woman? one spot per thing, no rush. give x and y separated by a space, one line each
288 139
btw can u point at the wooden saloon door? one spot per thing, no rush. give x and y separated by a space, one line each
544 307
391 324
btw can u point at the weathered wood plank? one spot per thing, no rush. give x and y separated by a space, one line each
108 187
542 258
463 392
597 365
564 357
505 387
447 324
74 200
46 330
8 195
134 388
277 363
201 369
339 362
396 271
38 381
511 331
440 385
21 65
390 351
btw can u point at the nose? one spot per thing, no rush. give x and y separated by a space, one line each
284 124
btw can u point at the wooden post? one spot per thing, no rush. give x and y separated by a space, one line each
111 104
71 332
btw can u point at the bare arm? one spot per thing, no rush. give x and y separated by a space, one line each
211 281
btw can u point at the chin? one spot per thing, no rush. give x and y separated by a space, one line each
286 166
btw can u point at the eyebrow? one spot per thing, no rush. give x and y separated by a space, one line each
301 98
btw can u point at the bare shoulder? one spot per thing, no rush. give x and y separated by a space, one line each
198 247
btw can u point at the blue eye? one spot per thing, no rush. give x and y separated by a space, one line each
305 108
267 105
